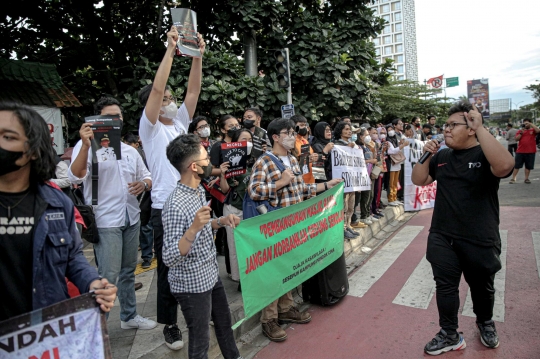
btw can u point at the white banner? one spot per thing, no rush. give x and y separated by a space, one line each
349 164
78 334
53 117
416 198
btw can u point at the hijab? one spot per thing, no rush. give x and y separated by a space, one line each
318 133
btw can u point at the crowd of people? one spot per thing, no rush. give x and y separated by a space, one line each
190 208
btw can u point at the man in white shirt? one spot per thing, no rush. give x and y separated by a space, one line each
161 122
117 212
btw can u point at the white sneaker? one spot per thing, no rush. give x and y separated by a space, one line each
138 323
365 249
393 204
366 221
373 219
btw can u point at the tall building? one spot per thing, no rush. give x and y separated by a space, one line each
398 38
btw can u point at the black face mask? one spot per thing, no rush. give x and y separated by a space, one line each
249 124
301 131
207 171
8 158
231 131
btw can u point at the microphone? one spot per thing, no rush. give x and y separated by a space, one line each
425 156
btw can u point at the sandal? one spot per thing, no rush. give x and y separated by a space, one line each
528 181
512 181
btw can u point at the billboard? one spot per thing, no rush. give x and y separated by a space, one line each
498 106
478 94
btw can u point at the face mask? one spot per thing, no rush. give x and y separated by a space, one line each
301 131
391 133
375 137
383 136
205 132
354 137
8 158
249 124
207 171
367 139
249 147
288 143
170 110
231 131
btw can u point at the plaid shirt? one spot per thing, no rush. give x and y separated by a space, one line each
265 174
197 271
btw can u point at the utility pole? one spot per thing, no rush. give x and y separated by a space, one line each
250 50
289 90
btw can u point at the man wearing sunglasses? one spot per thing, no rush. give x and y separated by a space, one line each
464 234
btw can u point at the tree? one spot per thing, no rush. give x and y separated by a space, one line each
535 89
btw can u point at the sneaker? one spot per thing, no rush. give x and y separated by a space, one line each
380 214
273 331
488 334
376 216
146 264
366 249
138 285
358 225
138 323
444 342
348 235
367 221
393 204
512 181
294 316
173 337
373 219
352 231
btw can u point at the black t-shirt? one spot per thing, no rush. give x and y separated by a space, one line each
466 204
16 252
215 154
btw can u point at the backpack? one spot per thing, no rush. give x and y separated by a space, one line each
249 206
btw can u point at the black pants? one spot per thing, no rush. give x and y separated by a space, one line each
198 310
167 307
401 182
451 257
357 197
512 148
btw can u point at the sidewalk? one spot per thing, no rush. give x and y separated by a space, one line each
149 344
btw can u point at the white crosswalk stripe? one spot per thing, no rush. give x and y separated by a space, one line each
500 283
419 288
536 244
377 265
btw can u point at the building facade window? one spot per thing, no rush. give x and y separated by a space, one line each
387 39
385 9
376 42
387 29
397 16
399 48
388 50
378 51
400 69
396 5
401 78
399 58
386 18
398 27
399 37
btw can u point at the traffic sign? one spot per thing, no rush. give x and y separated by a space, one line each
287 111
452 81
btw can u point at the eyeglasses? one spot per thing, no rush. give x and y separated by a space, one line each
202 127
169 99
451 126
328 130
289 133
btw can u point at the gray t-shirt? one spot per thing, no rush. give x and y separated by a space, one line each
511 136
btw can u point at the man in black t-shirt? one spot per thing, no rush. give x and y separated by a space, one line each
464 234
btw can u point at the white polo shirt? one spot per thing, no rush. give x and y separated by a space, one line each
113 194
155 139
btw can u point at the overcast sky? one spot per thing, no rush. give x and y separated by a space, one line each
473 39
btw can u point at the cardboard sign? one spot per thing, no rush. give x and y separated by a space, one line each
416 197
236 154
107 137
303 159
185 21
259 139
349 164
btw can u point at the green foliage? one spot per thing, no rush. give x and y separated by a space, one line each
535 89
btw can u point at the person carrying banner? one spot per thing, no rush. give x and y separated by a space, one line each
190 253
40 246
464 235
162 121
526 151
281 189
117 212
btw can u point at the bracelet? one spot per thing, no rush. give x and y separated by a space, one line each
219 222
326 186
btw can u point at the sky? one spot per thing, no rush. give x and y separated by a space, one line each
494 39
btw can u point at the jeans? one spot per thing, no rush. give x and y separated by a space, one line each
146 241
116 255
199 309
449 258
167 306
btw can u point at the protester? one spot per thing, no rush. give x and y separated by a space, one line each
322 145
251 120
32 266
464 235
301 128
343 136
398 127
200 126
431 120
161 122
366 197
526 151
417 125
409 132
117 212
190 253
281 189
60 177
425 134
237 185
376 149
395 147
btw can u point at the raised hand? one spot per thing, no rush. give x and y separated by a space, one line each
172 37
474 118
86 134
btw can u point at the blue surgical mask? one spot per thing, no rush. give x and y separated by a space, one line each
354 138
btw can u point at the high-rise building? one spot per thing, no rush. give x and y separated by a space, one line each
398 38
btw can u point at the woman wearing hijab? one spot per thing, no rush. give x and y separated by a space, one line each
394 147
322 144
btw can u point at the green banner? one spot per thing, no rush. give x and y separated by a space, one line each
280 250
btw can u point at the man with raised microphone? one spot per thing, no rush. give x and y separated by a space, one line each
464 234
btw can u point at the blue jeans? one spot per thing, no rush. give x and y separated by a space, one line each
116 254
199 309
146 241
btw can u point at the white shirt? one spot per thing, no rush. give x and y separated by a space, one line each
155 139
393 151
113 194
106 154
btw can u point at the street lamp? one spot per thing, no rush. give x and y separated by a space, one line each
517 106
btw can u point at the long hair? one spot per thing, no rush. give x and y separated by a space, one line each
39 144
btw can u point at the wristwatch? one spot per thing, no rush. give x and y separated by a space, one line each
219 222
145 185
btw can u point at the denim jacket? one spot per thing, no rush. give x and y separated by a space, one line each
57 250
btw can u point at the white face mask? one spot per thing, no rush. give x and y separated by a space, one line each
391 133
383 136
204 133
367 139
375 137
249 147
170 110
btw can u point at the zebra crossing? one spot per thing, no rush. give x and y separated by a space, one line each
418 290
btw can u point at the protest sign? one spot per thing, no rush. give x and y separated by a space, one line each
259 139
282 249
185 21
236 154
107 136
74 328
416 197
349 164
303 158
